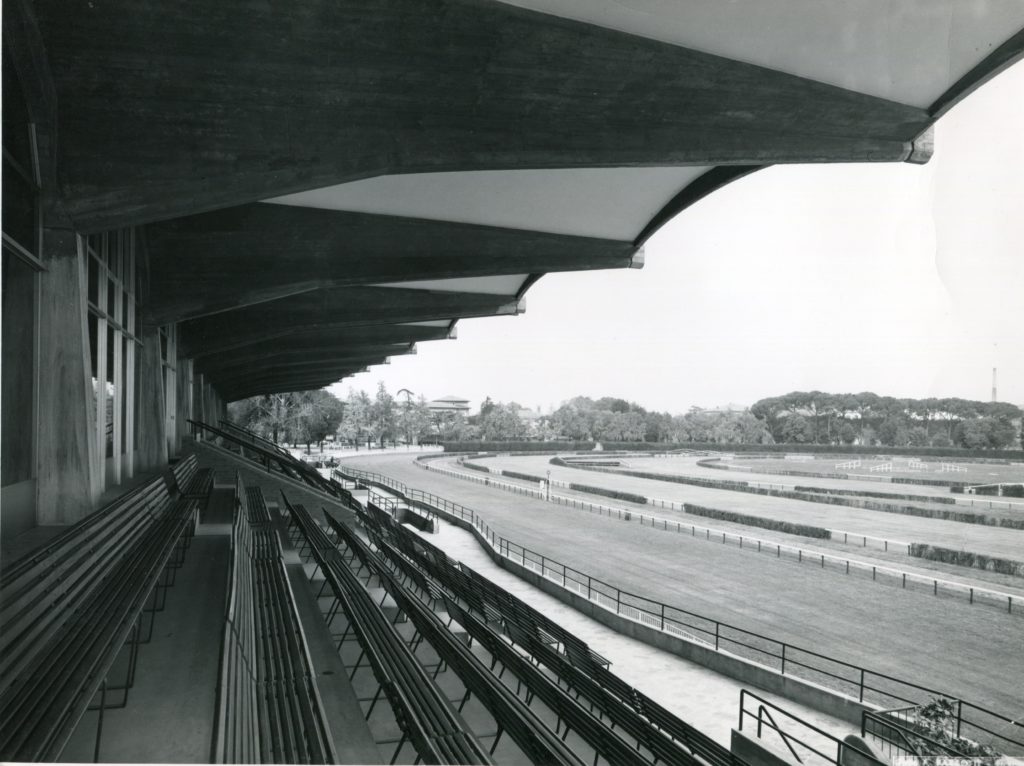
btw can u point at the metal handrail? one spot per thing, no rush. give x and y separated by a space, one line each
284 463
256 438
907 732
764 711
663 616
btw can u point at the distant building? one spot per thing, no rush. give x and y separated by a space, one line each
528 416
449 404
723 410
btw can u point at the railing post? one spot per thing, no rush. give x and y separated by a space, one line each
663 617
861 697
717 626
783 670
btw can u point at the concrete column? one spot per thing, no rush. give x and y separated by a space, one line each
183 414
70 466
152 444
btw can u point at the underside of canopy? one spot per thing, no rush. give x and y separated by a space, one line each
322 185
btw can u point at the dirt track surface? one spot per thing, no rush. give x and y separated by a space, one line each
973 652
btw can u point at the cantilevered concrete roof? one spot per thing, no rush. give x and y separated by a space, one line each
323 184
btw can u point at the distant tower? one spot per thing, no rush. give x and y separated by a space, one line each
994 384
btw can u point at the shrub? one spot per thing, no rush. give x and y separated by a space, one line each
1013 490
826 496
967 559
475 467
613 493
523 476
758 521
879 495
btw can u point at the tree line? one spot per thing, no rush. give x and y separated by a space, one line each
799 417
816 417
312 417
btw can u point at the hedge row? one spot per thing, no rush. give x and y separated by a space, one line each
673 478
718 465
517 446
824 449
523 476
879 495
1000 490
475 467
967 559
930 482
627 496
827 498
758 521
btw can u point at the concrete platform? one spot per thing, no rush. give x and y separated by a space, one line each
170 713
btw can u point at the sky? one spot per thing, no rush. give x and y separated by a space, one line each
901 279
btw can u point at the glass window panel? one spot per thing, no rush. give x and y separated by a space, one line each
93 323
111 297
124 363
19 208
136 404
111 340
17 346
109 398
114 247
94 282
15 115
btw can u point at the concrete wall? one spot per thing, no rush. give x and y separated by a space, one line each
759 676
758 753
68 464
19 508
152 441
184 413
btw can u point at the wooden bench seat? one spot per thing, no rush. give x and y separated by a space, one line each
269 708
425 715
512 714
665 735
68 609
192 481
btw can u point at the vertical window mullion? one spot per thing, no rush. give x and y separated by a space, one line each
172 386
129 324
114 258
101 373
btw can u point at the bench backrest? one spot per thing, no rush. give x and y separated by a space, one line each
184 470
40 592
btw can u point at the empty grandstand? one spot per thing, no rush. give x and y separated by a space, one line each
208 202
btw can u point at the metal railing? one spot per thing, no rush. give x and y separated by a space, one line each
899 731
255 438
809 745
864 685
892 576
271 459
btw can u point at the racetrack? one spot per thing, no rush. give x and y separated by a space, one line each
993 541
966 650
